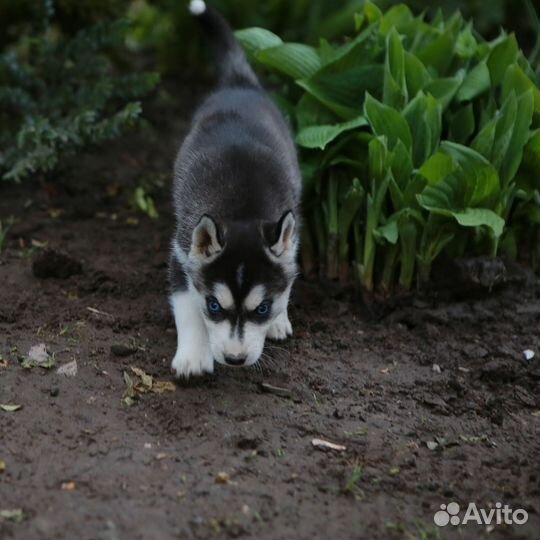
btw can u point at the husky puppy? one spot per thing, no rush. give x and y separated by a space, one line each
237 189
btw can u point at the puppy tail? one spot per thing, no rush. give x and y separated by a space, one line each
234 69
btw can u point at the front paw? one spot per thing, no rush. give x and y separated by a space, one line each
281 328
190 361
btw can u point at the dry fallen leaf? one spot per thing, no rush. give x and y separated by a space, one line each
68 486
9 407
38 353
146 380
163 386
321 443
38 357
16 515
222 478
68 370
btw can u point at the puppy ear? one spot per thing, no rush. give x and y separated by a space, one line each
206 240
281 236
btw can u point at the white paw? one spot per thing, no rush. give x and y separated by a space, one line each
281 328
190 361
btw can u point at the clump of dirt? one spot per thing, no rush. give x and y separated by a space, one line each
52 264
434 403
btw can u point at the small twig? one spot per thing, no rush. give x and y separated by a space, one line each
98 312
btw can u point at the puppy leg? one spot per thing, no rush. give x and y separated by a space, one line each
281 328
193 355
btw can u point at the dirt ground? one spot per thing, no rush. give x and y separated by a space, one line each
434 402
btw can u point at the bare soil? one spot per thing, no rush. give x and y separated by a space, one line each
434 402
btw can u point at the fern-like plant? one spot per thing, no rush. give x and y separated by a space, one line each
60 93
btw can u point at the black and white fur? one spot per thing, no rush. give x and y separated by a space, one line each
237 189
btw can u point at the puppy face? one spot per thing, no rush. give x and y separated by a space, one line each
241 274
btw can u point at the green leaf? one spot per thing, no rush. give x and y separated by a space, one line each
444 90
311 112
256 39
378 152
437 167
402 165
387 122
343 93
520 136
424 117
501 57
483 142
398 18
516 80
388 232
476 82
472 184
416 74
475 173
320 136
395 92
438 54
476 217
363 49
293 59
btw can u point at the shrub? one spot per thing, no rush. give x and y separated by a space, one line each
61 92
418 140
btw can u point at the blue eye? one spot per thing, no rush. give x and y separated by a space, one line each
263 309
213 305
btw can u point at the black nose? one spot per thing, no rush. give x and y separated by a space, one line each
235 360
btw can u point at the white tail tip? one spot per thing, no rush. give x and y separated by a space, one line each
197 7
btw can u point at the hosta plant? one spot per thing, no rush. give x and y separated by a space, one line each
418 140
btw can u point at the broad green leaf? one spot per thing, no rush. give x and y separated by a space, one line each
311 112
370 15
416 74
363 49
388 232
476 82
437 167
444 90
378 152
387 122
476 217
445 199
320 136
483 142
504 130
503 55
293 59
395 88
424 116
401 163
438 54
477 175
256 39
520 136
398 18
344 92
516 80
